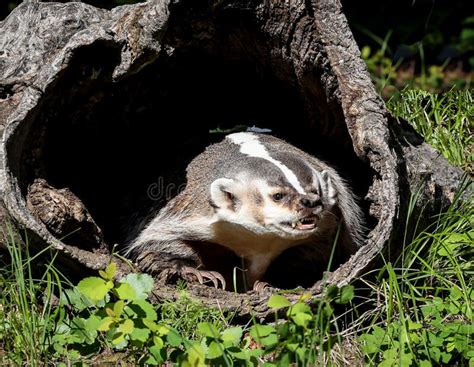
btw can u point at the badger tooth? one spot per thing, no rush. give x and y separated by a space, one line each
293 225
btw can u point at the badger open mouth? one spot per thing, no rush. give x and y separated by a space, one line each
303 224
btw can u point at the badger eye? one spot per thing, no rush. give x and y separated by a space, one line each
278 196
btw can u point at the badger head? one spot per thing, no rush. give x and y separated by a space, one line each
291 200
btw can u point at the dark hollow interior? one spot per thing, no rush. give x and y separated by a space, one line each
122 147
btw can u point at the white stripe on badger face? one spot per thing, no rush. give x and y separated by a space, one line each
251 146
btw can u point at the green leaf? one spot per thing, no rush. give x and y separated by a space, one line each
157 354
125 291
215 350
301 319
158 342
110 312
163 330
196 355
106 324
126 326
141 308
414 325
153 326
277 301
332 291
142 284
74 298
173 338
92 323
118 308
269 340
118 338
140 334
94 288
109 272
371 344
207 329
346 294
260 331
232 336
425 363
299 307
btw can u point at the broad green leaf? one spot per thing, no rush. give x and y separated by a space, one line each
269 340
94 288
163 329
118 338
125 291
207 329
232 336
140 334
278 301
110 312
126 326
118 308
215 350
92 323
106 324
301 318
109 272
157 353
151 325
260 331
158 342
74 298
196 355
173 338
142 284
141 308
414 325
299 308
425 363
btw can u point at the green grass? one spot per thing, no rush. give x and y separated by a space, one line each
26 313
424 309
416 310
446 121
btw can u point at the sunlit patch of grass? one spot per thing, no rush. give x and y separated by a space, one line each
444 120
422 304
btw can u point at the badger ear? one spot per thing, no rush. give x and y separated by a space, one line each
223 192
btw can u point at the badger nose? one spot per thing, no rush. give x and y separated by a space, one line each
310 202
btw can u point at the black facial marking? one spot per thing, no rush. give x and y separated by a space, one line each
257 197
298 166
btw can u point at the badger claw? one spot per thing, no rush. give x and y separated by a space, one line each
203 276
259 286
168 269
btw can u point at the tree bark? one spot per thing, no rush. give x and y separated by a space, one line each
89 99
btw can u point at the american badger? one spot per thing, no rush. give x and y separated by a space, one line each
256 196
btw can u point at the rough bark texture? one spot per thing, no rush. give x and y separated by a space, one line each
87 96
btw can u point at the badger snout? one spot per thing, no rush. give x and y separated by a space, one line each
309 201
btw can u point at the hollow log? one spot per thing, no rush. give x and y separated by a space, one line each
106 108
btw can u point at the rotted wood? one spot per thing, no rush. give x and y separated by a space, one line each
48 62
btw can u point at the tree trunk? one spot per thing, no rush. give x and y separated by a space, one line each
91 99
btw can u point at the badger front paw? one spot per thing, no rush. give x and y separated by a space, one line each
170 269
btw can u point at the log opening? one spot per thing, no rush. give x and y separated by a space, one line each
122 146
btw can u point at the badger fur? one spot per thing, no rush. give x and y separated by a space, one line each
256 196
